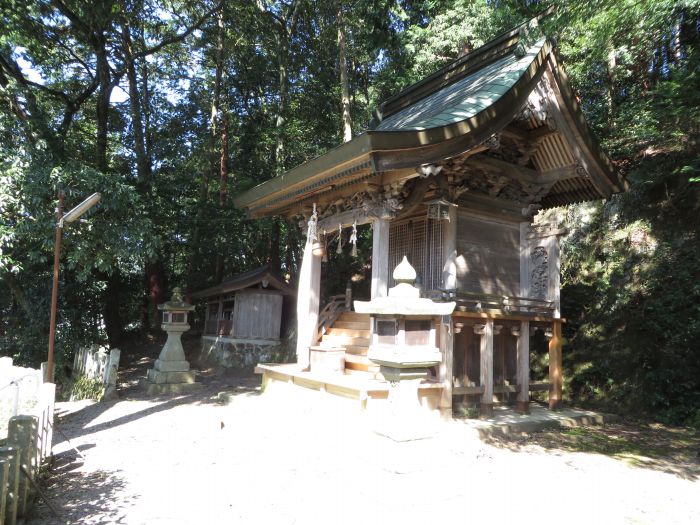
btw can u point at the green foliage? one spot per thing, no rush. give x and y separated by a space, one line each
180 73
84 388
632 297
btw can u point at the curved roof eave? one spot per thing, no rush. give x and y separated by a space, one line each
427 145
377 151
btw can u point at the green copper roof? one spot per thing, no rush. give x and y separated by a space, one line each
465 98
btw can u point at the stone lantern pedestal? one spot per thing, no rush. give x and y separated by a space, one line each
171 372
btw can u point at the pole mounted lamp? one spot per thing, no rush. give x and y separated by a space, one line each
61 220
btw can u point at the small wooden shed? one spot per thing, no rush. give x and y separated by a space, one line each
248 306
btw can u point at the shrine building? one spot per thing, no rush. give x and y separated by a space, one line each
450 176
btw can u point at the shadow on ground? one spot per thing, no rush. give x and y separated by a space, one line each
651 446
72 494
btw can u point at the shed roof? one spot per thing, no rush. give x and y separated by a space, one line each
247 280
446 115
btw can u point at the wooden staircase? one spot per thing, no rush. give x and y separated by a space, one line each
351 330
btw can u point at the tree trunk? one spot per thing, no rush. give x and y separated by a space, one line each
275 259
612 76
113 320
282 73
344 82
223 188
143 166
104 92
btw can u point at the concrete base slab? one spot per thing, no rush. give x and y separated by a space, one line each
160 377
157 389
505 420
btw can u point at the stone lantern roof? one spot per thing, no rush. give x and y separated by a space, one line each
404 298
176 303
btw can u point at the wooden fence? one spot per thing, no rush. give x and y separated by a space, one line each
28 442
97 363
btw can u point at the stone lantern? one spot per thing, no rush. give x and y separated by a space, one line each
171 372
404 345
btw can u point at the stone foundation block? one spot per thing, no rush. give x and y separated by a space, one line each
327 359
22 433
159 389
10 456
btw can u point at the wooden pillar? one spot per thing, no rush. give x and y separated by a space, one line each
446 374
380 257
486 366
219 315
308 297
522 332
555 366
449 249
554 277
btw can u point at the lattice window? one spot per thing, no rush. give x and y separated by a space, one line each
420 240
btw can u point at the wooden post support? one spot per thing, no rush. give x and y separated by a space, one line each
486 368
380 258
219 315
447 349
522 332
348 295
308 297
555 366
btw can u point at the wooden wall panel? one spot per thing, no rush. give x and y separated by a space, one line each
466 364
488 256
257 315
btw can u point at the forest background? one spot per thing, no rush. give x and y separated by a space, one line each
170 108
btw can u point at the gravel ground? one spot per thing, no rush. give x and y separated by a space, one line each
262 459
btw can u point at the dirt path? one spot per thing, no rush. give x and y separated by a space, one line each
261 460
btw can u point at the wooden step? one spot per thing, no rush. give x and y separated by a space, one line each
354 317
355 349
362 373
358 359
346 332
351 325
360 363
336 340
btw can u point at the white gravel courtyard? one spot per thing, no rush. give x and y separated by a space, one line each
265 460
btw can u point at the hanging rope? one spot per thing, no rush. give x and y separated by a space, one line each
339 249
353 239
312 234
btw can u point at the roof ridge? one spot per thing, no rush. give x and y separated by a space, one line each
458 68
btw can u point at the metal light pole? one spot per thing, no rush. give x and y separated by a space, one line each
61 219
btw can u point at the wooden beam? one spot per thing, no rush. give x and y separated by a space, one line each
522 174
519 173
533 136
345 218
504 317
